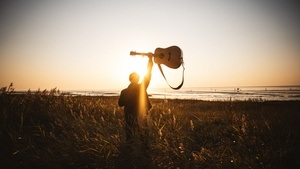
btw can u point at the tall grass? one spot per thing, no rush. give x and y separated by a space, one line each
48 129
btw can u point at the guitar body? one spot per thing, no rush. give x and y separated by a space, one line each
171 56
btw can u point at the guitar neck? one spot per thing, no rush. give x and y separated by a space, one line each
133 53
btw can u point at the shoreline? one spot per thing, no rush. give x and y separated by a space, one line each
233 93
116 96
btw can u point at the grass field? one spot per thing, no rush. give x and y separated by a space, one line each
47 129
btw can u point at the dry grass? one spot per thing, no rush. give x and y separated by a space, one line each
47 129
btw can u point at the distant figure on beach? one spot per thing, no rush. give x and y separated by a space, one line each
136 103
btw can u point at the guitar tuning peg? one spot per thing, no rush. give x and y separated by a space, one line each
132 53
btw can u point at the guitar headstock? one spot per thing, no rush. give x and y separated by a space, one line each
133 53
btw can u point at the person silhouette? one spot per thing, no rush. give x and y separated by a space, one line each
136 102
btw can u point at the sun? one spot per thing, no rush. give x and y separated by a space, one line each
138 64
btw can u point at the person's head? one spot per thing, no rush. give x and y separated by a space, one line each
134 77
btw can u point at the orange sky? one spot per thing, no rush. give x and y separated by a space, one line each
85 45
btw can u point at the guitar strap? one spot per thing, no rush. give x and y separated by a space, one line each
162 72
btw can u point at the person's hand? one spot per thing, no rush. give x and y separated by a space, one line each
150 55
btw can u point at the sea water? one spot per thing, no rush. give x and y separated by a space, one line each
262 93
233 93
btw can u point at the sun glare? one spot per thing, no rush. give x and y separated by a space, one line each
139 65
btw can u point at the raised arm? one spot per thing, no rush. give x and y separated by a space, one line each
147 77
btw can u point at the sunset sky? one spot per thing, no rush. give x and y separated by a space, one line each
85 44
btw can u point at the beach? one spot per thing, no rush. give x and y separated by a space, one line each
53 130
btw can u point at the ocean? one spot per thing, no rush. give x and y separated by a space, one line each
259 93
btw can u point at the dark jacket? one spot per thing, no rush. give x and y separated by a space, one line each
135 97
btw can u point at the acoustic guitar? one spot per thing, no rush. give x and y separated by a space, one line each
171 56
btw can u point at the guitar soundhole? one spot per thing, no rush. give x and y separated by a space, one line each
169 56
161 56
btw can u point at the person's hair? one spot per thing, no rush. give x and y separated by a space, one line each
134 77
